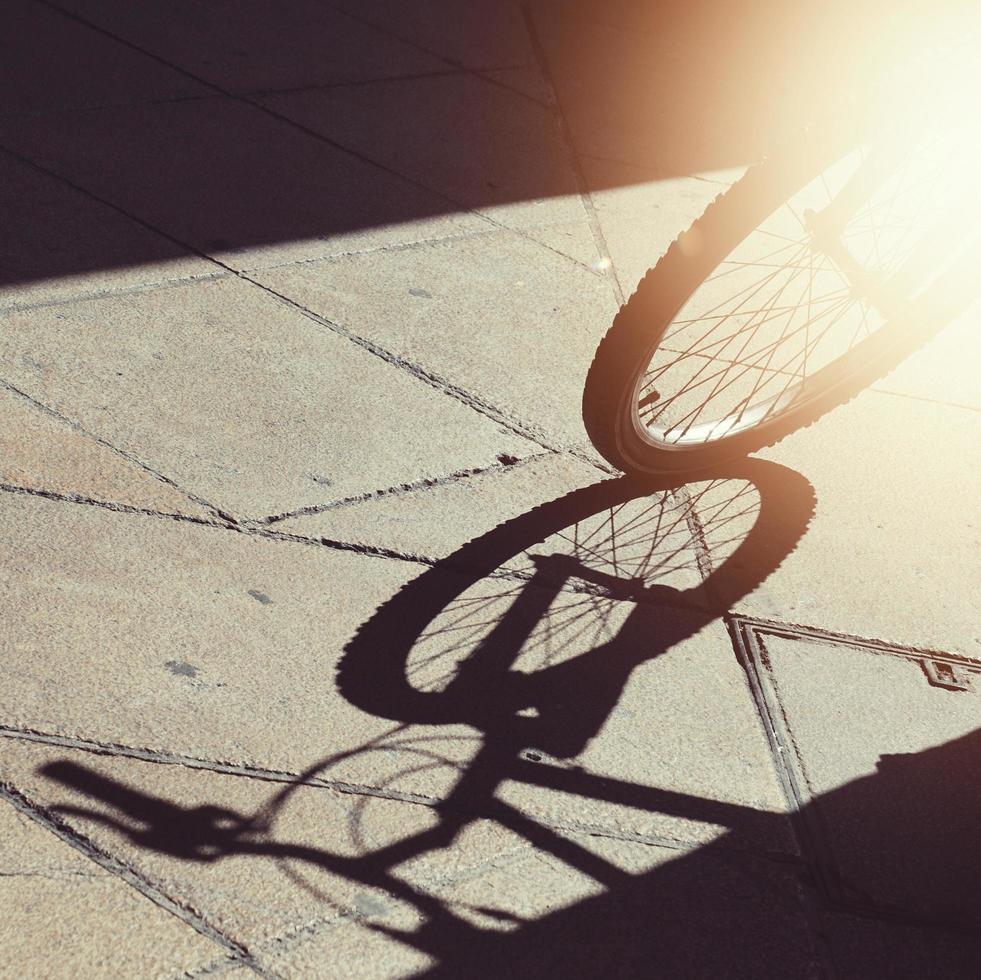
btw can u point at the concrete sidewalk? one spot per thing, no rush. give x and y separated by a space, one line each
331 648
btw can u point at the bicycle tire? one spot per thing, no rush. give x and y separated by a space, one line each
609 406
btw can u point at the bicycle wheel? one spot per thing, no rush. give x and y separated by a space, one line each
798 286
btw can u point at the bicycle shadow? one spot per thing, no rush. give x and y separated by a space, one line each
617 556
718 909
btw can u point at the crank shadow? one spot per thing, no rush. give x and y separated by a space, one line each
262 134
529 635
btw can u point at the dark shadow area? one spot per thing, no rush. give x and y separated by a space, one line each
494 637
710 912
257 132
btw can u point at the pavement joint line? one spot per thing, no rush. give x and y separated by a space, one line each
682 496
60 110
143 287
62 830
262 93
571 586
213 968
460 207
585 197
120 751
503 574
301 932
96 106
358 548
449 72
110 505
404 489
355 547
13 389
219 525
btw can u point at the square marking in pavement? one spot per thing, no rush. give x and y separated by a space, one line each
877 747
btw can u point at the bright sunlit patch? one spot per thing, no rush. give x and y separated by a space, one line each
881 235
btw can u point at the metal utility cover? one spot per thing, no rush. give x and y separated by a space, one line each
880 748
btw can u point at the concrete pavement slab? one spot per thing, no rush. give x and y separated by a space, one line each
897 521
318 883
232 181
241 399
481 145
249 46
511 322
58 243
39 452
65 916
181 637
75 66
